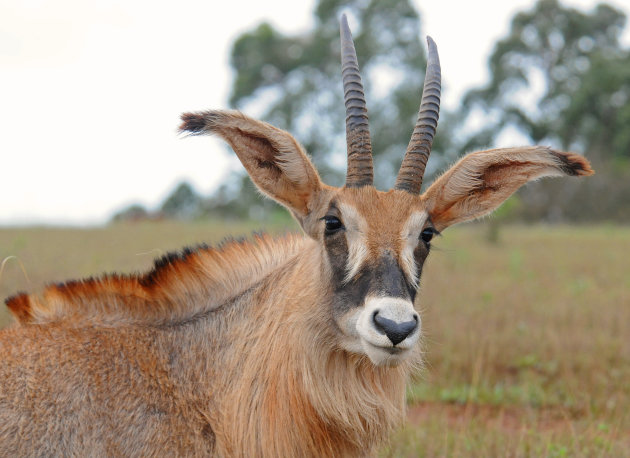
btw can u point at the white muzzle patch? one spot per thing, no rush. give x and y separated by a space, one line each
389 328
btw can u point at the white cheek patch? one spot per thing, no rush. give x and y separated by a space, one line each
410 235
356 235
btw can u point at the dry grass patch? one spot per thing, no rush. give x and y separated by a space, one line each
527 342
532 333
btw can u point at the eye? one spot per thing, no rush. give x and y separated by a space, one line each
427 234
333 224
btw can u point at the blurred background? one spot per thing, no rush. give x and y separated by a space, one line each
530 359
92 92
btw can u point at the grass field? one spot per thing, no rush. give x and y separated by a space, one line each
527 342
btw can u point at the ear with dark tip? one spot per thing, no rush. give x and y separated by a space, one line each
275 161
481 181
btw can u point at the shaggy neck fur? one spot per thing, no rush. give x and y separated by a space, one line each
179 287
253 354
290 390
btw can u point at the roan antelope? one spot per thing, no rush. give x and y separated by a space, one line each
296 346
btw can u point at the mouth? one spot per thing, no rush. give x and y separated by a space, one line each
385 356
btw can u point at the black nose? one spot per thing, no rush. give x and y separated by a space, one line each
397 332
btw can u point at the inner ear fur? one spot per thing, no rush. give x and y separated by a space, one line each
274 160
481 181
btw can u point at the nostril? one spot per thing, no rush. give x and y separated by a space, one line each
379 322
396 332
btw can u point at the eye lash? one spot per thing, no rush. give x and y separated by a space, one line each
328 215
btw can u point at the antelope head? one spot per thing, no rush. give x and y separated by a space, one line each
374 243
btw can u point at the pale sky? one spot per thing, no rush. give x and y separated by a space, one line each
91 92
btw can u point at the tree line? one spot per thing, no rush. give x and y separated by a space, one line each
576 57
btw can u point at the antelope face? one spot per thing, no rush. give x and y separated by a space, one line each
373 243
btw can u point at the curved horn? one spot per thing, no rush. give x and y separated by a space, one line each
360 170
412 168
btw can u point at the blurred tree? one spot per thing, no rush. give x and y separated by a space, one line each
134 212
182 203
237 198
505 213
562 78
294 82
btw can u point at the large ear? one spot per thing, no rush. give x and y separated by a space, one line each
481 181
275 161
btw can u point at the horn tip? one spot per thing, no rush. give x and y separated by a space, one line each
345 28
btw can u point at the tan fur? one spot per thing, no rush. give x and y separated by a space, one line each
236 351
176 291
258 144
271 385
481 181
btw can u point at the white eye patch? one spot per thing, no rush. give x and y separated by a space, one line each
356 235
410 235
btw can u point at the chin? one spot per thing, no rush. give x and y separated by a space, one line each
386 356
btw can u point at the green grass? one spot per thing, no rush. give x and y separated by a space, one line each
527 342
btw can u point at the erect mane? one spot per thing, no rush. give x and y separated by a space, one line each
179 287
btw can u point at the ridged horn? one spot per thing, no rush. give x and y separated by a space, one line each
360 169
412 168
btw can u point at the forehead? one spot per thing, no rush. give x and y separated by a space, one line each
383 212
